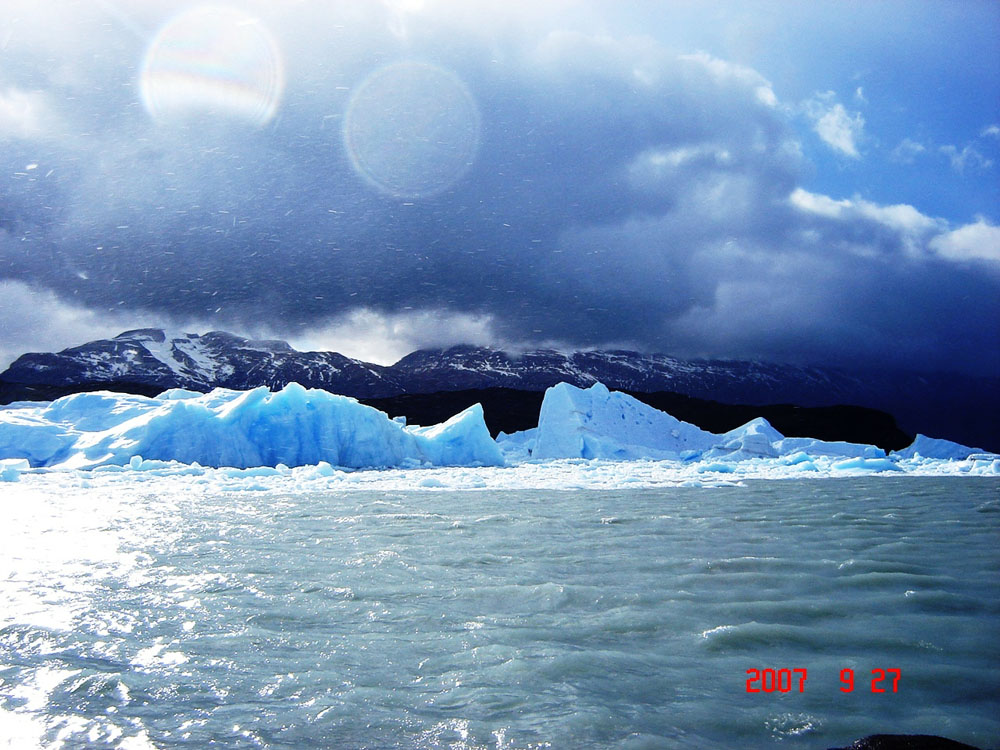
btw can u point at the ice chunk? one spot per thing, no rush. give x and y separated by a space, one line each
178 394
596 423
867 464
925 447
241 429
518 446
462 440
985 463
755 439
833 448
11 468
715 466
25 433
797 458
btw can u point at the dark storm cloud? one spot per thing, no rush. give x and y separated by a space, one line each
619 192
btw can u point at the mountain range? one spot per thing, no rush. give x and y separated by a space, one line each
954 406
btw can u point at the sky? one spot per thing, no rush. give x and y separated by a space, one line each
797 182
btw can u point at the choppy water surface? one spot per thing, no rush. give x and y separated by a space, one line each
501 619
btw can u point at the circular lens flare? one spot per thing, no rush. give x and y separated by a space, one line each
214 61
412 129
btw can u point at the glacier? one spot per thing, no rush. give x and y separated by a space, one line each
598 423
258 439
295 426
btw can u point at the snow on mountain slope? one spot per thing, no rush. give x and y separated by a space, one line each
461 367
219 359
184 360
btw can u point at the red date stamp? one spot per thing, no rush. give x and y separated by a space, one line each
789 680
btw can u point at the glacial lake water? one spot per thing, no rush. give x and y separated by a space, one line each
515 619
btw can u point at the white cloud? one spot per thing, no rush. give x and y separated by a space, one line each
922 236
36 319
25 114
624 186
658 164
907 151
821 205
837 128
967 157
726 71
961 159
977 241
912 229
901 217
635 59
384 338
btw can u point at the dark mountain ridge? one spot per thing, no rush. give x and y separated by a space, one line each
957 407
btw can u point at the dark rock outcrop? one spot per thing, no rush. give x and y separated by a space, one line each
906 742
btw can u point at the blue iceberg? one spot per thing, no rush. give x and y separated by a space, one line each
598 423
258 434
294 426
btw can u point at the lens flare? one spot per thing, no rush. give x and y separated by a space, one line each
412 129
213 61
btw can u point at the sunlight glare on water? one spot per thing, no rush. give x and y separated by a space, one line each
498 619
214 61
